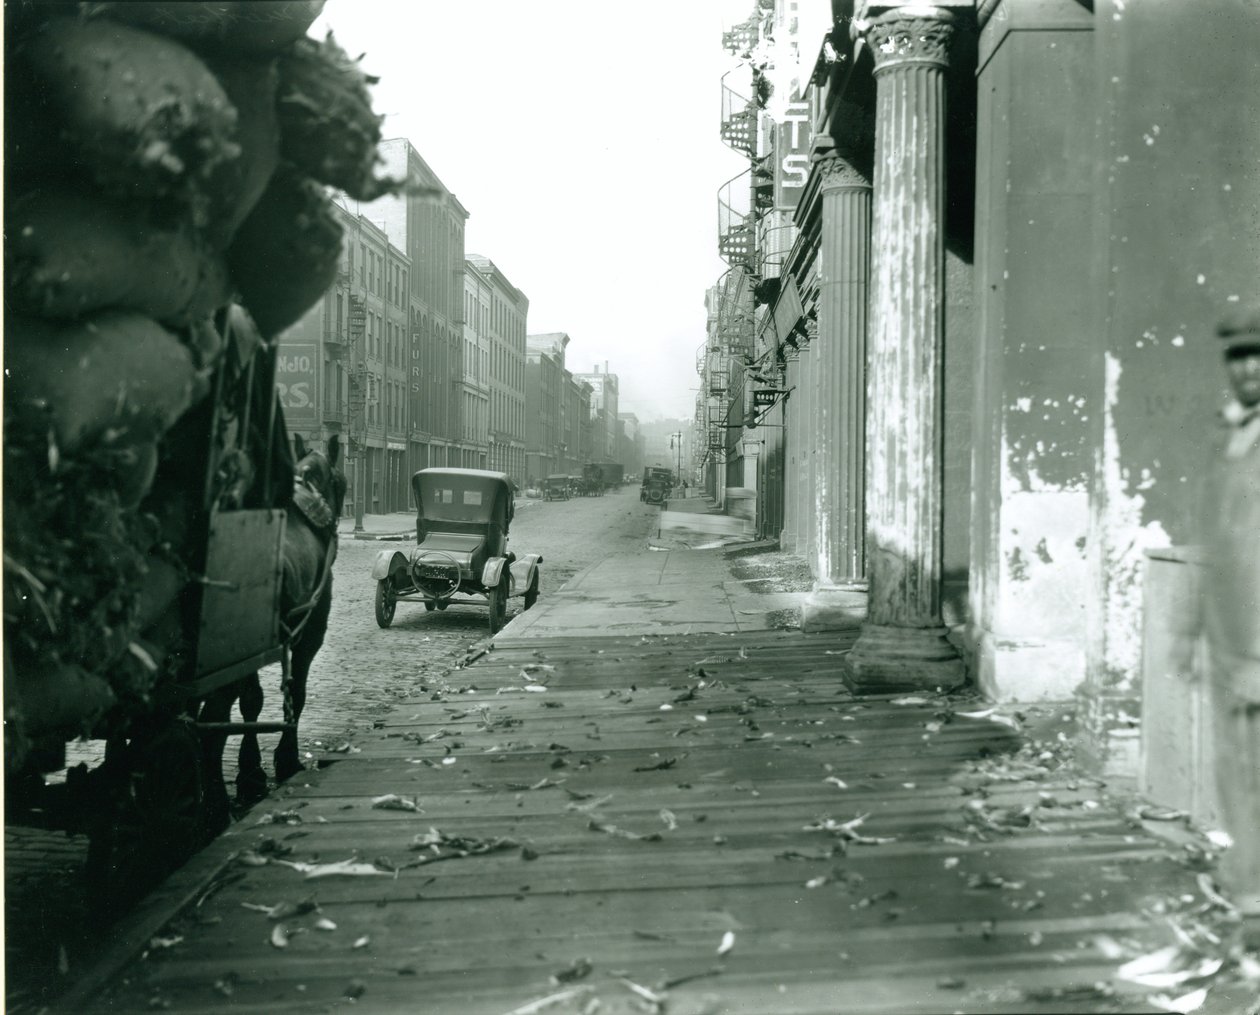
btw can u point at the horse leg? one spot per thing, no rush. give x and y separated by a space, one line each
304 649
216 808
251 780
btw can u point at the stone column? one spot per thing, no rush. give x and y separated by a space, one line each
903 642
839 596
805 365
791 458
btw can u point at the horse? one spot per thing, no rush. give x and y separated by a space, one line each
310 548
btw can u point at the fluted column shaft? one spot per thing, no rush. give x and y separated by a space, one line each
839 596
844 276
805 457
903 642
791 457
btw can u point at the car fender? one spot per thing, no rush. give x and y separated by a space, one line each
387 562
524 568
493 571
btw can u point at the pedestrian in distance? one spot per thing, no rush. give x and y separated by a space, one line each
1232 610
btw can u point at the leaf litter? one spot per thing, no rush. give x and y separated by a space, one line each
437 845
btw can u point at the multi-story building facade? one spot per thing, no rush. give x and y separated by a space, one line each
546 447
576 426
505 314
343 368
605 394
475 392
629 444
429 228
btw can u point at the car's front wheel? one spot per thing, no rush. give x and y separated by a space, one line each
497 598
386 602
531 594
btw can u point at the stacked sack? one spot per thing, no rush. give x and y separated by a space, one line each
164 160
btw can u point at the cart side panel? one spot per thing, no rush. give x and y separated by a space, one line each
239 622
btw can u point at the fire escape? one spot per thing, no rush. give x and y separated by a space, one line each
742 202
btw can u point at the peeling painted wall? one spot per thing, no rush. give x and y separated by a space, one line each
1036 384
1176 243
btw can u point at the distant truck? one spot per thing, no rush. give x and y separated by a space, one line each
613 474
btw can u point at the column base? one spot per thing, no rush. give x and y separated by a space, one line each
835 607
889 659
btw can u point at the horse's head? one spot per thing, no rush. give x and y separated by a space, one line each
321 471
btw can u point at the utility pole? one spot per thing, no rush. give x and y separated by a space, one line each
675 441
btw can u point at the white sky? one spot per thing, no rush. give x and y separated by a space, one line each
582 137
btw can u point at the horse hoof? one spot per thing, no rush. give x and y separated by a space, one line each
250 788
287 770
216 816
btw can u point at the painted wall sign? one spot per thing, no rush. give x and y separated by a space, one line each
295 381
791 155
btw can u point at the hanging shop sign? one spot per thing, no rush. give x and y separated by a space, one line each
791 155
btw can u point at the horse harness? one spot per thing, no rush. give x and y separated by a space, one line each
317 513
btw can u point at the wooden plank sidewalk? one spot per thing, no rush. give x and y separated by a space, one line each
681 825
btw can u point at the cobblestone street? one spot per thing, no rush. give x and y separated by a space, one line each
362 669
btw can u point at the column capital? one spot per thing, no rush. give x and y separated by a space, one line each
835 172
911 34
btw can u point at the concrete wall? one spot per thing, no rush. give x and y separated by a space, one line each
1035 382
1176 243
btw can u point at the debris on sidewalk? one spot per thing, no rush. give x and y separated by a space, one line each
340 868
848 830
394 802
576 970
438 845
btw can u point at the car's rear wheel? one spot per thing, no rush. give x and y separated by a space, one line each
497 598
531 594
386 602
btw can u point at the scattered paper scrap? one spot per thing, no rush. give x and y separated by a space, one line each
553 1001
728 942
394 802
1184 1004
340 868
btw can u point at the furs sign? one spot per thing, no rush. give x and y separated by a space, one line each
295 381
791 167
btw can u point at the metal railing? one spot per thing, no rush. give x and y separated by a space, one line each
736 230
739 120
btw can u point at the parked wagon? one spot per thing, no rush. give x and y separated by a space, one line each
592 480
207 616
461 556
